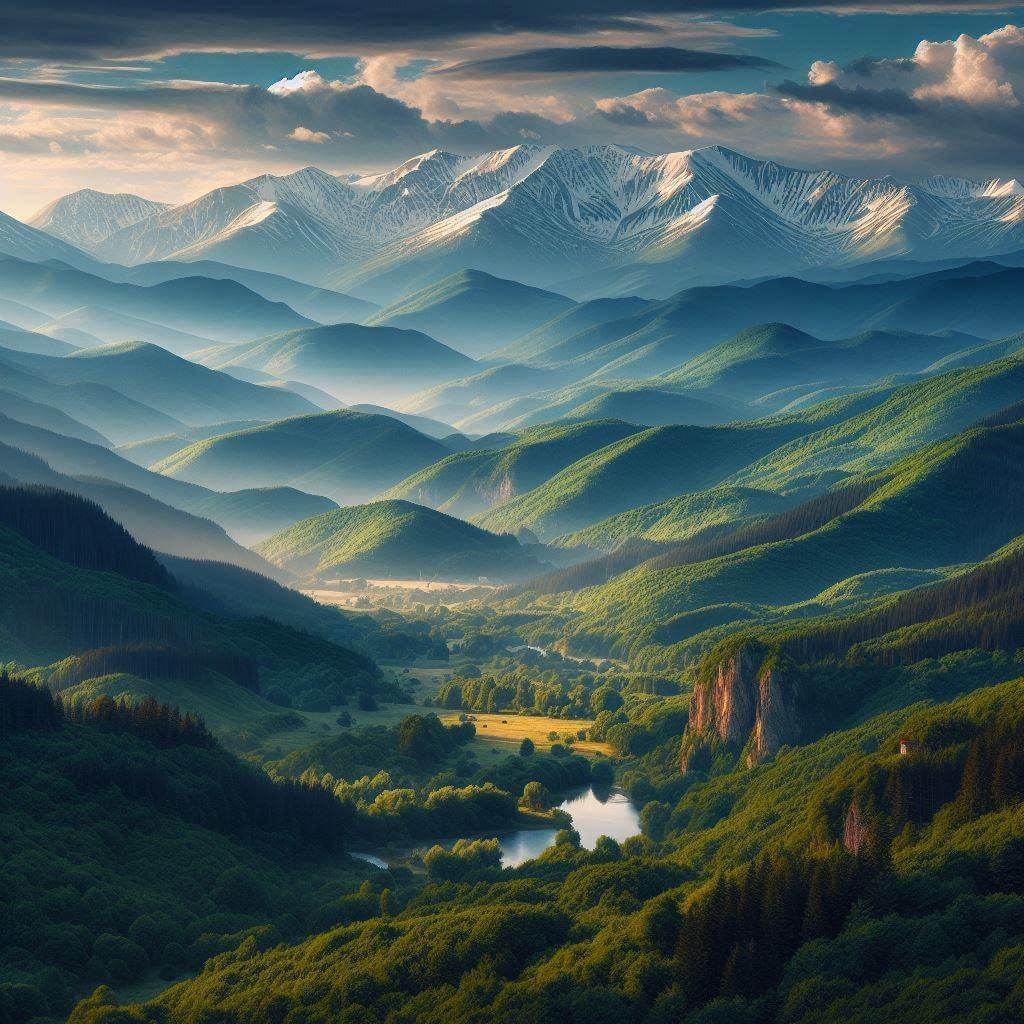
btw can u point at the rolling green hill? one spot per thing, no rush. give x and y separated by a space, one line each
534 346
986 352
154 448
110 413
253 515
348 456
462 401
81 599
470 482
395 540
151 522
79 458
655 407
111 327
688 323
355 363
651 403
424 424
320 304
37 414
955 501
655 465
767 358
177 387
18 340
679 518
472 311
167 514
220 309
910 417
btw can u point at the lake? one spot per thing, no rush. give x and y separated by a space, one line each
594 813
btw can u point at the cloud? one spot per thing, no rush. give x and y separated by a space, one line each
601 60
61 29
300 134
954 106
958 100
349 121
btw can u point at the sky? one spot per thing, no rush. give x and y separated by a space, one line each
171 102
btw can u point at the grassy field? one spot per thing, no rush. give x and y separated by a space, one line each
497 736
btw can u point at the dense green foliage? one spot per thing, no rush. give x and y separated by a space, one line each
130 840
720 920
347 456
395 539
471 482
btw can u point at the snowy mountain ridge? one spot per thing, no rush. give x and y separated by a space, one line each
546 215
87 218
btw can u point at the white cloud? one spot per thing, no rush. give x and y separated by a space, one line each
300 134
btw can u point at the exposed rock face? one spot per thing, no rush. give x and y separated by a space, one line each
728 705
854 830
777 723
746 705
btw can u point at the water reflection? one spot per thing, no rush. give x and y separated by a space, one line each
595 812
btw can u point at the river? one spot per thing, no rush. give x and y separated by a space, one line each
594 813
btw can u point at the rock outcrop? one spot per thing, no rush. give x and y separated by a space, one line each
854 828
747 702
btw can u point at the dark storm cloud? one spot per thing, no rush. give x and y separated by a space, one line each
602 60
866 102
51 29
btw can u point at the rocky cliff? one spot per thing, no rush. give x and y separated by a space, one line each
746 701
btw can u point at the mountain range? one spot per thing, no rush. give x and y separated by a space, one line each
597 220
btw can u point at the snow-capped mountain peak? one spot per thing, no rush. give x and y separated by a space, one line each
546 214
87 218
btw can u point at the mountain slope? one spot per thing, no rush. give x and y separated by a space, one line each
424 424
473 311
251 516
351 361
37 341
38 414
110 327
533 347
911 416
223 310
151 522
22 242
347 456
655 465
156 447
471 482
955 501
174 386
680 518
78 458
764 359
87 218
320 304
112 414
395 539
693 320
465 398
